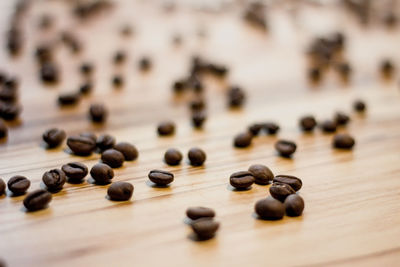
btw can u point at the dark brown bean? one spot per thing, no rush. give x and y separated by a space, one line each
262 174
160 177
173 157
117 80
271 127
145 64
54 180
90 135
120 191
2 187
307 123
18 185
341 118
119 57
54 137
270 209
285 148
166 128
3 129
86 88
113 158
205 228
105 142
294 205
68 99
102 173
243 140
81 145
98 113
236 97
293 181
75 171
37 200
198 118
359 106
241 180
49 72
280 191
387 68
86 68
255 128
195 213
10 111
343 141
196 156
128 150
328 126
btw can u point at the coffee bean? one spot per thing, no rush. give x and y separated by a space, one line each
10 111
113 158
75 171
37 200
120 191
285 148
198 118
86 88
280 191
2 187
387 68
293 181
128 150
105 142
243 140
307 123
270 209
98 113
271 127
81 145
344 70
160 177
102 173
196 156
3 129
12 83
205 228
8 95
315 74
166 128
341 118
195 213
89 135
241 180
343 141
179 86
328 126
117 80
54 137
236 97
294 205
49 72
119 57
18 185
86 68
44 54
173 157
197 104
68 99
359 106
255 128
145 64
261 173
54 180
217 70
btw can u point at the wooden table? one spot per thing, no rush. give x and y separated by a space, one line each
352 214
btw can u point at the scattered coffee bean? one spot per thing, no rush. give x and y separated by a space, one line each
54 180
198 118
128 150
8 94
86 68
308 123
98 113
102 173
2 187
173 157
328 126
37 200
166 128
195 213
44 54
205 228
145 64
75 171
179 86
113 158
160 177
86 88
241 180
105 142
236 97
255 128
18 185
243 140
120 191
10 112
341 118
359 106
261 173
270 209
54 137
3 129
293 181
49 72
344 70
81 145
118 80
90 135
280 191
196 156
387 68
343 141
294 205
119 57
68 99
315 74
271 127
285 148
197 104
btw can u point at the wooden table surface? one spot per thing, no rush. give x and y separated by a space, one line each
352 213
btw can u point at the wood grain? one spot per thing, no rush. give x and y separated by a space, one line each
352 198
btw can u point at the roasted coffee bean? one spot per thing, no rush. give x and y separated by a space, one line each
102 173
81 145
173 157
198 118
128 150
293 181
37 200
236 97
166 128
120 191
261 173
243 140
113 158
280 191
270 209
344 70
294 205
387 68
117 80
98 113
3 129
75 171
46 21
145 64
359 106
54 179
2 187
195 213
315 74
10 111
217 70
86 88
54 137
179 86
271 127
205 228
68 99
285 148
241 180
307 123
11 83
328 126
255 128
18 184
341 118
343 141
119 57
44 54
49 72
105 142
196 85
8 94
196 156
160 177
90 135
86 68
197 104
